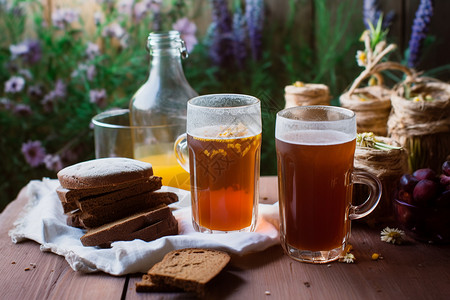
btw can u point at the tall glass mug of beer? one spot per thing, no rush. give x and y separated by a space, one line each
223 140
315 149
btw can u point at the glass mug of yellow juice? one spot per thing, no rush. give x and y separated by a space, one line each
223 143
114 137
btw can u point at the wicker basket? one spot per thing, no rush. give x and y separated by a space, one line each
309 94
372 105
422 127
388 166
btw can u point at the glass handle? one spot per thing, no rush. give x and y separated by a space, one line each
181 151
375 188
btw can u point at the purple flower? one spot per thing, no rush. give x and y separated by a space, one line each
140 11
34 53
220 33
419 31
125 7
254 15
98 97
92 50
14 85
60 89
64 16
34 153
114 30
53 162
18 50
187 31
6 104
26 73
239 37
372 12
48 103
35 91
22 110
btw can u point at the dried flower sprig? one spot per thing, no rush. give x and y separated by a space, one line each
368 139
392 235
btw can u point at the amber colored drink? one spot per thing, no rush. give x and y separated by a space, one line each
314 168
224 172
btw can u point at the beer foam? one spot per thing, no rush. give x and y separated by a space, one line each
315 137
223 132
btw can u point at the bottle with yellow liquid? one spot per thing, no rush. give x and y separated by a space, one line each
158 108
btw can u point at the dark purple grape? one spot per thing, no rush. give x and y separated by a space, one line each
424 192
443 201
426 173
404 196
408 182
446 167
444 180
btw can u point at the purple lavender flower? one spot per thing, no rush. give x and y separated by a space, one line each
98 97
60 90
22 110
372 13
92 50
114 30
34 52
254 15
62 17
18 50
34 153
140 10
14 85
26 73
48 103
187 31
53 162
91 72
220 33
419 31
239 37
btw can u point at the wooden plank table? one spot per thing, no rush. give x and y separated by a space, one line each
411 271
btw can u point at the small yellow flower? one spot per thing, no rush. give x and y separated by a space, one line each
361 58
375 256
392 235
372 81
299 84
417 99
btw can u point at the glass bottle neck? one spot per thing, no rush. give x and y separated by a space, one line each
166 65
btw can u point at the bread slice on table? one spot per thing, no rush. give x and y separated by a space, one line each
103 172
189 269
114 210
147 226
146 285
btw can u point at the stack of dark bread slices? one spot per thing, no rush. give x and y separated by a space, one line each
116 199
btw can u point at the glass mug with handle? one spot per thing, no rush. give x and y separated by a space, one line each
223 142
315 151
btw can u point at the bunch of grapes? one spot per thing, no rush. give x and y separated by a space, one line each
425 188
422 204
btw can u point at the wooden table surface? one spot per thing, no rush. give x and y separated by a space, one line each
411 271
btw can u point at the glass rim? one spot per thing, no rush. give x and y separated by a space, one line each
255 101
97 120
350 114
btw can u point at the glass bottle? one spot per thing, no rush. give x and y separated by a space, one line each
158 108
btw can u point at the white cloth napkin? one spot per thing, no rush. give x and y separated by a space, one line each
43 221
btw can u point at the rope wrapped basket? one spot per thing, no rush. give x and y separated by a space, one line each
307 94
422 126
388 166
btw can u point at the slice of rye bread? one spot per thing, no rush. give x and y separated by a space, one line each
189 269
146 285
73 219
70 195
110 211
88 203
103 172
147 226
